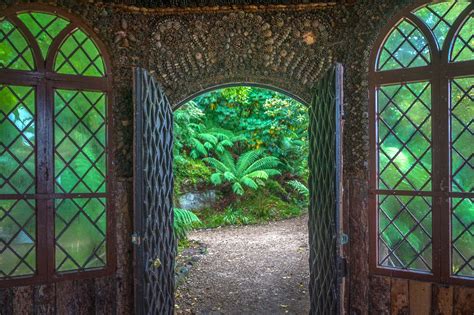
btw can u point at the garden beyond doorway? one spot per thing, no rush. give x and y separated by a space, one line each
240 158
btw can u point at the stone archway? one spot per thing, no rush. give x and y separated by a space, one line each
238 84
287 50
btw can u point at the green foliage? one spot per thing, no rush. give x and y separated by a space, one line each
250 170
189 172
235 217
184 221
197 139
299 187
266 119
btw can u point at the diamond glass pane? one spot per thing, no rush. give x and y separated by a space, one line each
17 139
44 27
17 238
462 251
463 48
15 52
404 136
462 130
80 140
440 16
405 232
405 47
78 55
80 229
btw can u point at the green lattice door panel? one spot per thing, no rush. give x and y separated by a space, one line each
325 164
153 181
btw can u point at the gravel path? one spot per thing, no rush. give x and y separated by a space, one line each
261 269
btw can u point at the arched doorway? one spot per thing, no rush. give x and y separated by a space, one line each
153 195
240 151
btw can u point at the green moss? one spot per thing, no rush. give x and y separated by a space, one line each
190 173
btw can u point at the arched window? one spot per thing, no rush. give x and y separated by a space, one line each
54 160
421 169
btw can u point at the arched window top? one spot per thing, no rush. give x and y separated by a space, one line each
15 52
463 48
405 47
78 55
440 16
27 38
44 27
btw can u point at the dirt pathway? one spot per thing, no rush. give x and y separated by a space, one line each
259 269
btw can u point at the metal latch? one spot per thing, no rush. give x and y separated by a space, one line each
341 267
136 239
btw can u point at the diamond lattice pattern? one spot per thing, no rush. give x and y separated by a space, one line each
405 231
462 151
15 52
157 157
80 141
440 16
44 27
404 136
78 55
462 229
17 139
17 238
463 48
405 47
80 229
322 210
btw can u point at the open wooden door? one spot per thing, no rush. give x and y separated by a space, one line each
155 245
325 184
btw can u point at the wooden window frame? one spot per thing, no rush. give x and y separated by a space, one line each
45 80
439 73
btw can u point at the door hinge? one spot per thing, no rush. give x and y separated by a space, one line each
136 239
341 267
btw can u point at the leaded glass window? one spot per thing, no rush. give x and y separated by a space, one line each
422 175
53 149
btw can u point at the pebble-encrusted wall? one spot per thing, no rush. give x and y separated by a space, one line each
285 47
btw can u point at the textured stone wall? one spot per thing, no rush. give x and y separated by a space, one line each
190 50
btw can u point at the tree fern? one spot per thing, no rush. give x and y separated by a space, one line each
250 170
184 221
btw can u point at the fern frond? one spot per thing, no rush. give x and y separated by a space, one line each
257 174
216 178
299 187
247 181
184 220
218 165
248 159
229 176
238 189
265 162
